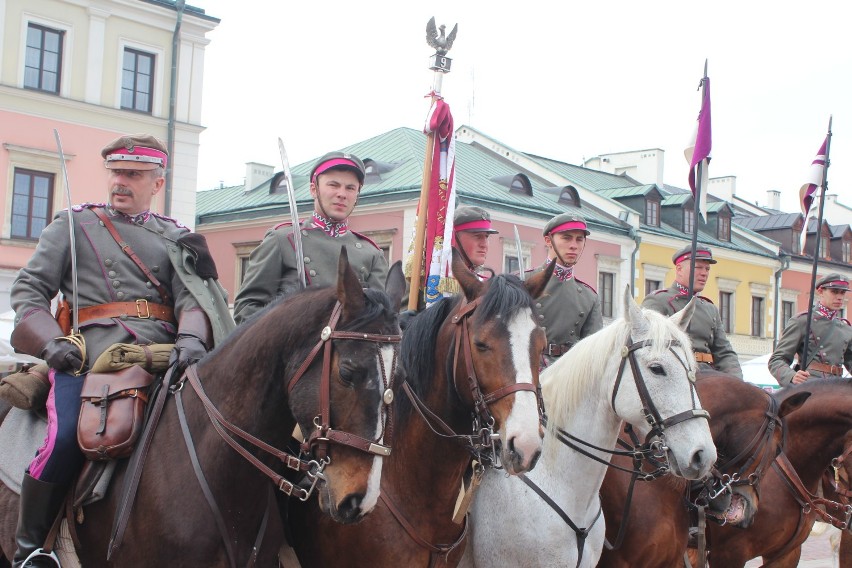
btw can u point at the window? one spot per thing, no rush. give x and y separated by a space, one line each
137 80
724 232
606 283
652 286
786 312
43 58
652 212
31 203
846 251
510 264
757 316
688 221
242 268
796 244
823 247
725 309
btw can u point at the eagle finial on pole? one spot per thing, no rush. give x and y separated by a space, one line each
439 41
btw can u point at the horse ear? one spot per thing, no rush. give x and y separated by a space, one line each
536 284
395 285
470 284
684 316
792 403
350 294
633 314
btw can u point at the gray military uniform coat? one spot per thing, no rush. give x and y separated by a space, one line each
830 344
568 311
705 329
272 271
105 275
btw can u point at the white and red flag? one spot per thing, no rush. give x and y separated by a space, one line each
815 179
698 150
441 203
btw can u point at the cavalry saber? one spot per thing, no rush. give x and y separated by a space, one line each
294 217
75 317
521 267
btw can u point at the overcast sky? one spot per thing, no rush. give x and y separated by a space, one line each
565 80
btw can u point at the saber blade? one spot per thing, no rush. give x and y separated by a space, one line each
521 268
75 317
294 216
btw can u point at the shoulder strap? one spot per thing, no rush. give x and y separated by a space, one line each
125 248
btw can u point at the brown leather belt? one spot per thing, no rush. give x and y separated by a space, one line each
825 368
142 309
703 357
557 349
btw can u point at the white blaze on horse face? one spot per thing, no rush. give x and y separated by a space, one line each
522 425
385 362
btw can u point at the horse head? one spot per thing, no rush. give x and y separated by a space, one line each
660 402
748 428
502 343
346 436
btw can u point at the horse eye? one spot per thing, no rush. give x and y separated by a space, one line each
350 376
657 369
481 346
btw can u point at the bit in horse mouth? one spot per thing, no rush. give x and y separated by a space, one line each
736 511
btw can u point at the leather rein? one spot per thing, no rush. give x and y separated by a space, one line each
480 443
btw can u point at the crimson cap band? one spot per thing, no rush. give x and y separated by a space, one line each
135 152
566 222
701 253
833 280
472 219
339 160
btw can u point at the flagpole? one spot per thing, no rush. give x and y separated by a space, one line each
440 64
697 200
803 363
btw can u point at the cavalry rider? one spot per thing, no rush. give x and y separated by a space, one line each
118 303
569 309
709 341
471 228
336 182
830 346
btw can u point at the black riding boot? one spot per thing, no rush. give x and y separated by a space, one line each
40 503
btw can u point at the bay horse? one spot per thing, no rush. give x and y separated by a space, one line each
648 522
638 369
459 360
249 379
816 434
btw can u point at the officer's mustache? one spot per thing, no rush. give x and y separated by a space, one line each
121 190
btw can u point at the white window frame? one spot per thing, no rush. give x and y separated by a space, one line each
159 76
759 291
509 249
33 159
67 49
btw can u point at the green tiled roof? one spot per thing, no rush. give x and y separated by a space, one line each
584 177
631 191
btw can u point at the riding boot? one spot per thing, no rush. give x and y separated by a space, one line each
40 503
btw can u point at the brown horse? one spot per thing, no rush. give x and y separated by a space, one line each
816 434
440 364
743 422
837 486
247 379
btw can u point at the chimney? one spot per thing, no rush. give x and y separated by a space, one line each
723 187
831 198
256 174
773 199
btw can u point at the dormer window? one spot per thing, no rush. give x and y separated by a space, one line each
278 184
723 232
374 170
846 250
521 184
823 248
569 196
688 221
652 212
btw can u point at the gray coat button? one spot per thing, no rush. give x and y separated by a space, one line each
108 262
120 295
112 274
116 283
312 272
307 259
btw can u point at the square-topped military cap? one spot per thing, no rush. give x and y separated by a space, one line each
701 253
471 219
338 161
833 280
135 152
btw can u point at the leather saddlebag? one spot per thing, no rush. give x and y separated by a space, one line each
113 412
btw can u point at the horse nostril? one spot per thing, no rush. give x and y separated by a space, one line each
512 445
350 508
698 459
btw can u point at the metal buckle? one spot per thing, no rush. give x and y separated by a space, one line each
139 304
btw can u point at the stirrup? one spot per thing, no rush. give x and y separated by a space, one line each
40 553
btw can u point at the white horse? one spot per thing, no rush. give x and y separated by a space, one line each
587 393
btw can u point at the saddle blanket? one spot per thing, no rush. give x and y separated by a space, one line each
21 435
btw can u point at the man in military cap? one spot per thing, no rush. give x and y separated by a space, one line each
472 227
709 341
336 181
569 309
122 299
830 346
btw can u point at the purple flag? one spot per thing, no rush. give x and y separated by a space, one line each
815 179
699 148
